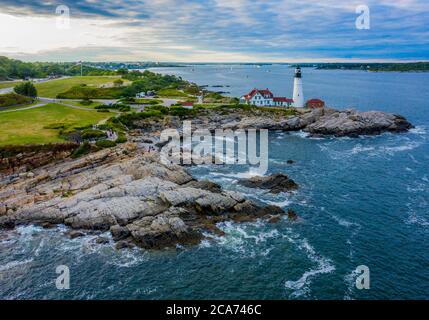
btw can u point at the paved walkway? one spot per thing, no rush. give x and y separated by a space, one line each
6 90
25 108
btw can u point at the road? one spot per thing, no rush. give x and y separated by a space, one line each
6 90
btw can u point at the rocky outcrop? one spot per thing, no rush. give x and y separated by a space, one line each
275 183
317 122
353 123
131 194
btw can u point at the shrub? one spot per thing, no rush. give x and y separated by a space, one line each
26 89
105 143
13 99
118 82
86 92
128 119
161 109
93 134
86 102
122 138
83 149
290 112
57 126
150 101
125 108
128 100
182 112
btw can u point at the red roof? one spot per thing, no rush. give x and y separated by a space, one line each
187 104
315 101
252 93
282 99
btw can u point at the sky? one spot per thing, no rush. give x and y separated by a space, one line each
214 30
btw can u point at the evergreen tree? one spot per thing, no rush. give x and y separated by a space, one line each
26 89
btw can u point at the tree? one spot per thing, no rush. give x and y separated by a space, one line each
118 82
26 89
3 73
122 71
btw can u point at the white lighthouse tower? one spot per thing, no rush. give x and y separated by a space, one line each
298 94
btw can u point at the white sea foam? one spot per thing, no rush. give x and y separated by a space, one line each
350 280
300 134
413 159
404 147
324 265
414 218
14 264
373 151
244 239
359 149
280 204
420 130
417 187
239 175
126 258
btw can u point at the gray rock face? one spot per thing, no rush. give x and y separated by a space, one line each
139 199
352 123
275 183
326 121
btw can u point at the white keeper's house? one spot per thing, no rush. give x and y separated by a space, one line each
265 97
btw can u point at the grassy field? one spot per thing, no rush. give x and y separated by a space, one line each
27 126
171 93
78 104
50 89
8 84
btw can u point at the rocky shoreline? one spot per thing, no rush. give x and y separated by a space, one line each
140 200
144 202
315 122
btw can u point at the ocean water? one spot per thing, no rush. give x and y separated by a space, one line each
362 201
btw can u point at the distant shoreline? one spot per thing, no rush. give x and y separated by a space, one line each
366 67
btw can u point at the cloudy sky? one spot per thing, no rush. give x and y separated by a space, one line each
214 30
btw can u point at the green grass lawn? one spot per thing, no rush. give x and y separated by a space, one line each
77 103
50 89
8 84
171 93
27 126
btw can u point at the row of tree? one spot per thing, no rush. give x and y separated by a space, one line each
16 69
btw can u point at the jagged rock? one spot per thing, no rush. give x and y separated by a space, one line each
274 219
275 183
7 222
290 162
73 234
119 233
205 185
124 245
291 214
162 230
101 240
352 123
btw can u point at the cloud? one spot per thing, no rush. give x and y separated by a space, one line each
215 30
